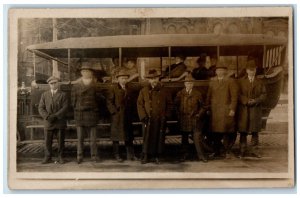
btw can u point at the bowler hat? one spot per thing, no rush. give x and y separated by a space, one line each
221 65
152 73
122 73
251 65
52 79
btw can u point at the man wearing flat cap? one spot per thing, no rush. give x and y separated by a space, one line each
85 101
53 107
190 113
252 94
120 104
222 99
152 107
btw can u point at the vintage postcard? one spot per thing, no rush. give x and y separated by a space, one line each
151 98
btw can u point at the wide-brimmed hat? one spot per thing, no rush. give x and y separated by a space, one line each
251 65
221 65
152 73
122 73
52 79
189 78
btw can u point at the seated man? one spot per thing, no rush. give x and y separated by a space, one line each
200 72
177 69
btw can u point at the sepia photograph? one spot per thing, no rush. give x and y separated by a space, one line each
146 98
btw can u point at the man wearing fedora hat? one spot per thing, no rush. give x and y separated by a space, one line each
252 94
222 99
85 101
152 107
53 107
120 104
190 112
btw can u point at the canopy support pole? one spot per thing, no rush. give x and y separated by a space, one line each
34 66
69 63
120 56
169 54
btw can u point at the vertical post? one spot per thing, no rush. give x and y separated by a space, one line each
69 63
120 56
237 67
218 52
55 71
34 67
264 56
169 54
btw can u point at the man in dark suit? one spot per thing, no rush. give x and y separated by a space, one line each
222 99
190 112
85 101
252 94
152 107
53 107
177 69
120 105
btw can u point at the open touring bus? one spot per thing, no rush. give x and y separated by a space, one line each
151 52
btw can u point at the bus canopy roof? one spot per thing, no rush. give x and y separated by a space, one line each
108 46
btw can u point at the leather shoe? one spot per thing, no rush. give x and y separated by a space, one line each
157 160
79 160
46 161
118 158
61 160
144 160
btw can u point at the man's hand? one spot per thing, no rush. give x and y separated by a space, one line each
231 113
145 120
52 118
251 102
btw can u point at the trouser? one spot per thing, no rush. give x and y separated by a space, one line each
129 149
243 141
48 137
198 142
184 142
229 140
93 140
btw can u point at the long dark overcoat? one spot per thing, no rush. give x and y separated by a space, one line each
56 105
222 97
189 105
250 117
153 103
120 105
85 102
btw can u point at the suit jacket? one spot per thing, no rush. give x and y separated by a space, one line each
176 70
85 101
221 98
189 105
250 116
57 106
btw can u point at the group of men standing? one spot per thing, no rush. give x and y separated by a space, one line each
232 105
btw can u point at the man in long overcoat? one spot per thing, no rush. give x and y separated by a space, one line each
152 107
85 101
120 105
251 95
177 69
53 107
191 111
222 98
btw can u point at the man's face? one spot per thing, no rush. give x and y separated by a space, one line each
122 80
86 73
154 81
188 85
53 85
130 64
221 72
251 72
